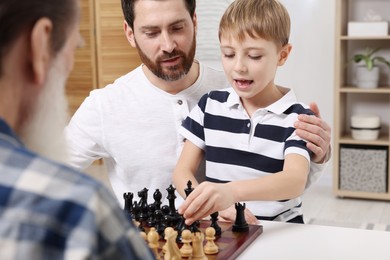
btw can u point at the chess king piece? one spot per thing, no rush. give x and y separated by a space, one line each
173 252
186 249
197 247
210 248
153 238
240 224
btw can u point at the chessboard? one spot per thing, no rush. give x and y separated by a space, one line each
230 244
231 239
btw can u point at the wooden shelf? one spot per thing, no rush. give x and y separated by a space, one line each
382 140
353 89
359 38
360 159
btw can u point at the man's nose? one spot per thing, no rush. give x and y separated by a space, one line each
168 43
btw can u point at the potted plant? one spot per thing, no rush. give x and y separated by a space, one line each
367 75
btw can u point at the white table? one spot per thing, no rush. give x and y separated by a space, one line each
296 241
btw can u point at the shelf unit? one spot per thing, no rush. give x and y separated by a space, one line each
349 100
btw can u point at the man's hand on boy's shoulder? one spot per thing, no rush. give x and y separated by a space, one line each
317 133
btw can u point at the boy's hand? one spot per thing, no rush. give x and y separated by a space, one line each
229 215
317 132
205 199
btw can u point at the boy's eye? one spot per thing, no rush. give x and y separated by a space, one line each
228 55
255 57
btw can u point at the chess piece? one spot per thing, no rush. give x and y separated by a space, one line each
151 222
214 223
186 249
197 247
136 211
189 188
167 231
157 199
173 252
143 204
171 199
240 224
128 208
159 222
180 226
153 238
210 248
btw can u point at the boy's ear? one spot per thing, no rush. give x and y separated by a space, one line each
40 41
129 34
284 53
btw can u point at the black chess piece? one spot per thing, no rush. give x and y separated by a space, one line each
189 188
136 211
171 199
128 208
180 226
157 199
240 224
214 223
159 222
143 204
151 222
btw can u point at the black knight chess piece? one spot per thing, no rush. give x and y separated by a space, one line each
240 225
143 204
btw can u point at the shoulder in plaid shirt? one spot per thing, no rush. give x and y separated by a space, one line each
49 211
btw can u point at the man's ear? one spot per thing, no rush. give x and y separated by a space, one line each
129 34
195 21
41 49
284 53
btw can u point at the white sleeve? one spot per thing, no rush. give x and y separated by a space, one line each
84 134
315 173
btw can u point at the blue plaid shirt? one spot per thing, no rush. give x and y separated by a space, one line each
49 211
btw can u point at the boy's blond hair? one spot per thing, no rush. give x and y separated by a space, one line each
267 19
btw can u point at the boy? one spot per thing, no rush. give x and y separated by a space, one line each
246 132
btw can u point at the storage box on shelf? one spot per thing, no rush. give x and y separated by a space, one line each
361 167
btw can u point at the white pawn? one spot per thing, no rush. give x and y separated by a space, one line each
153 237
186 249
210 248
167 231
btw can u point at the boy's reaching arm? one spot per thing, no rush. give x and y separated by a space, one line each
211 197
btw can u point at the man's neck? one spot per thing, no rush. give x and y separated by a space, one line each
174 87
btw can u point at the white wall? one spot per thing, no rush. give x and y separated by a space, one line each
309 70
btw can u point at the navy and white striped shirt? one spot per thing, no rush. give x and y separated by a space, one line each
49 211
238 147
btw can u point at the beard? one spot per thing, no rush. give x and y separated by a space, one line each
171 73
43 132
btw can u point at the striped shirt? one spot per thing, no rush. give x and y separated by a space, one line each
49 211
238 147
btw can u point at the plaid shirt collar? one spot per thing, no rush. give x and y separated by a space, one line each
8 135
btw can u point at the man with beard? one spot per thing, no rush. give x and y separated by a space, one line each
48 211
133 123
